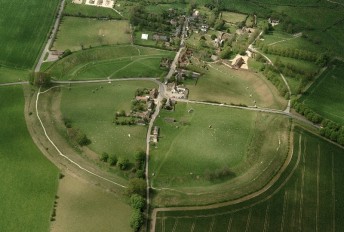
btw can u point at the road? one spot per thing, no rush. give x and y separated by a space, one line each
15 83
181 47
51 37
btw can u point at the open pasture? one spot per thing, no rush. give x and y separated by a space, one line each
22 30
326 94
253 146
79 33
308 197
231 17
13 75
94 114
28 179
104 61
82 206
225 85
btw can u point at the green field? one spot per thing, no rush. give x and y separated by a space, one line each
308 197
115 61
231 17
13 75
94 114
28 179
90 33
23 32
225 85
211 138
89 11
83 206
326 94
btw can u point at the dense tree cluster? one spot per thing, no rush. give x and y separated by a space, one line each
307 112
155 22
272 74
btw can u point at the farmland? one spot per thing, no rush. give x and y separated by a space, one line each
90 33
308 198
326 95
201 141
13 75
103 61
94 114
22 35
224 85
28 179
79 199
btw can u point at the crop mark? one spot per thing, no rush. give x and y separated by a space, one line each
229 224
267 218
318 180
193 226
212 224
333 197
248 220
163 224
302 183
284 209
175 225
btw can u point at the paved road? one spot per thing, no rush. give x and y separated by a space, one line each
15 83
50 40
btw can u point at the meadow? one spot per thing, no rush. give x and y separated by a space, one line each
225 85
13 75
94 114
28 180
231 17
82 206
83 10
308 197
326 95
251 145
90 33
22 35
108 60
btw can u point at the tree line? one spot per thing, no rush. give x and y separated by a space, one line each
330 130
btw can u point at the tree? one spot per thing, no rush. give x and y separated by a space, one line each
40 79
123 163
113 160
137 202
137 186
104 157
140 158
136 220
213 36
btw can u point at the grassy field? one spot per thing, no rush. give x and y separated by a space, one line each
28 179
308 198
94 114
90 33
81 206
13 75
89 11
105 61
22 35
225 85
210 138
231 17
326 95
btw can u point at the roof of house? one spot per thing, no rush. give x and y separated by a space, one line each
144 36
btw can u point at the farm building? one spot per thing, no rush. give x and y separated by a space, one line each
240 61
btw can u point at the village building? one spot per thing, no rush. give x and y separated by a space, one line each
142 98
153 93
237 64
144 36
